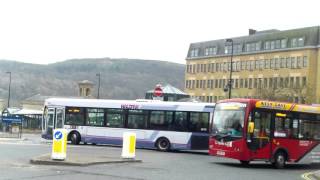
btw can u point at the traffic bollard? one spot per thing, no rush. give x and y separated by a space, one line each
59 144
129 145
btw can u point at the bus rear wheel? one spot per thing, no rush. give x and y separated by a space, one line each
75 138
279 160
163 144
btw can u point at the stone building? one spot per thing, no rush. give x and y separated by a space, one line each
274 64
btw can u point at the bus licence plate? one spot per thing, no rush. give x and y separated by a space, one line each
221 153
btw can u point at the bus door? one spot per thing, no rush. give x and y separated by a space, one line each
59 120
50 118
259 140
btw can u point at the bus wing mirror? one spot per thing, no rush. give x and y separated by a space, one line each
250 127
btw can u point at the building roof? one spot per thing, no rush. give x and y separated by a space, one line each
12 110
41 98
86 82
28 112
310 35
169 89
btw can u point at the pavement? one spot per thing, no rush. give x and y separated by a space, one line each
74 158
80 159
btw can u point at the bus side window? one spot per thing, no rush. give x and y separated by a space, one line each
309 126
180 121
198 122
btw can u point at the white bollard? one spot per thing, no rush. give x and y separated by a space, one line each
129 145
59 144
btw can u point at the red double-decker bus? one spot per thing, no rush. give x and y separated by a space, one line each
276 132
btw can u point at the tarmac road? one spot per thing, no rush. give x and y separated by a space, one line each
15 157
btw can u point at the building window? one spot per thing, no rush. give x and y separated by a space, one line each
246 83
258 46
197 84
283 43
253 46
293 63
272 64
238 66
243 65
291 82
267 45
277 63
255 83
304 81
267 63
305 61
265 83
282 62
270 82
278 44
227 49
256 62
300 42
241 83
194 52
250 83
209 51
272 45
237 48
286 82
251 65
281 84
261 62
299 62
294 42
248 65
236 84
288 60
297 82
213 67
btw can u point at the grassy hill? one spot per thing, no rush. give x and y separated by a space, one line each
120 78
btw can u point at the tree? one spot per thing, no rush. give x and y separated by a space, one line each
296 94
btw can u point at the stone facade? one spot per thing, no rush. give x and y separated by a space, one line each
277 65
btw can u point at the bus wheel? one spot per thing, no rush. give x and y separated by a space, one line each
163 144
244 163
279 160
75 138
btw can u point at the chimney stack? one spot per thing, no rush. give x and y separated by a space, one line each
252 32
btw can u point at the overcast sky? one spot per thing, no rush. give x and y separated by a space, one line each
45 31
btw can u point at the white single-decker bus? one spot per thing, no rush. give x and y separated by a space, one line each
157 124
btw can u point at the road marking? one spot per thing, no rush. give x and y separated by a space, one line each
306 175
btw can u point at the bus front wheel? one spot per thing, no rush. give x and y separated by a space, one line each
75 138
163 144
279 160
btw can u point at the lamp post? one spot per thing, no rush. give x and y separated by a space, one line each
231 68
9 88
98 74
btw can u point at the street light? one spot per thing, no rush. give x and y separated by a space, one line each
231 64
9 88
98 74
